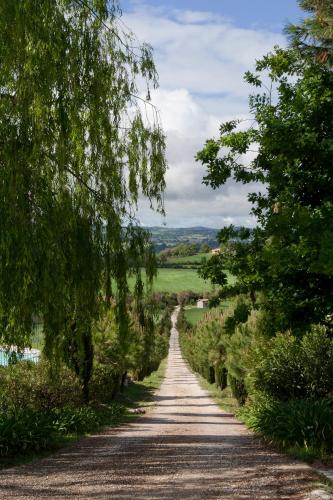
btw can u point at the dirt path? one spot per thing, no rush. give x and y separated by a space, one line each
186 447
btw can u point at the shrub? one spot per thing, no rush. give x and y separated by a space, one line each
221 376
287 368
104 382
240 314
303 423
218 344
238 389
317 362
242 311
277 368
74 420
36 386
25 431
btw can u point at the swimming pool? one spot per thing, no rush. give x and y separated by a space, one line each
27 354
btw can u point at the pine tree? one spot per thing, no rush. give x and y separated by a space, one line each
314 36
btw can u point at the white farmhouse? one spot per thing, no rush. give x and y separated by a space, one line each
202 303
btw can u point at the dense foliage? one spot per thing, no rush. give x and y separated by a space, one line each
285 383
296 423
216 346
37 411
76 150
79 144
288 368
278 354
289 255
41 404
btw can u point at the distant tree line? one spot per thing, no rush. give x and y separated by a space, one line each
184 250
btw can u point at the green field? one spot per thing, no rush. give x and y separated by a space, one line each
178 280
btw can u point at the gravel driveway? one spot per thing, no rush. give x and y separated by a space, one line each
185 447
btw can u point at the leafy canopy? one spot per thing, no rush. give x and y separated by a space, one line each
289 255
76 153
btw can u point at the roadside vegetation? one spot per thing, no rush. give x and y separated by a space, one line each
48 417
78 149
273 346
77 146
281 385
42 405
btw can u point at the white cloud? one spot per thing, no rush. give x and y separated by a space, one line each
201 59
183 114
194 17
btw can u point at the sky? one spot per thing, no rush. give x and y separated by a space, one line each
202 50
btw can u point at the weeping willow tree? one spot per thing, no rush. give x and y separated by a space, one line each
76 153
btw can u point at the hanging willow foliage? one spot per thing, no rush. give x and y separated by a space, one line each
76 153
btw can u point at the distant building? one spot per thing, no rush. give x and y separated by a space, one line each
202 303
216 251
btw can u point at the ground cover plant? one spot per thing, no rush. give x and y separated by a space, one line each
297 423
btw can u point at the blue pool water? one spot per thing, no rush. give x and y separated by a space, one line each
31 355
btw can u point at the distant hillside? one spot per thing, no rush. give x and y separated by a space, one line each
165 237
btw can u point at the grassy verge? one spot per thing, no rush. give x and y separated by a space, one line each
224 399
141 394
116 413
310 455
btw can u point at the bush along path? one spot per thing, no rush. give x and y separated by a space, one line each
184 447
